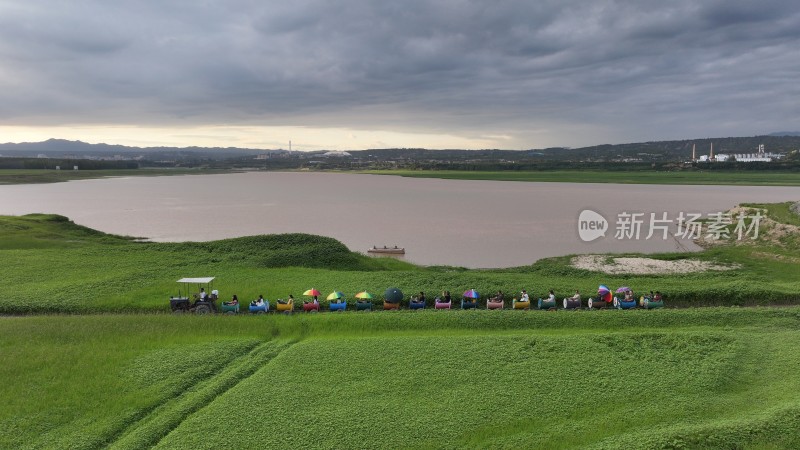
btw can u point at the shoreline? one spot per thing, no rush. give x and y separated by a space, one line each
676 178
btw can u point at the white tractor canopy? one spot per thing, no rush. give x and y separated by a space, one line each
201 280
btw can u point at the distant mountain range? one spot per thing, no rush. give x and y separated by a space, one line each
58 147
780 142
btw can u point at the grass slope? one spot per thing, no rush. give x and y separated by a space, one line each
760 178
716 378
53 265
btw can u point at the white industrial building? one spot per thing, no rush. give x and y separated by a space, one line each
760 156
336 154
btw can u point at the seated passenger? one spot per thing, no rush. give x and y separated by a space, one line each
628 296
577 296
286 302
552 296
258 302
234 301
657 297
525 297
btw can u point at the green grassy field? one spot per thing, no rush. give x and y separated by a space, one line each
712 377
754 178
28 176
722 377
52 265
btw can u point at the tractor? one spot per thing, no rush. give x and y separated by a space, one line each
198 303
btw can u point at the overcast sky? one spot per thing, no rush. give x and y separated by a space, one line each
411 73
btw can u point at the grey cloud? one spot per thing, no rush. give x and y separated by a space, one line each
462 67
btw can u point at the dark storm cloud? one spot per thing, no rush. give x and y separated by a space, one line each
639 70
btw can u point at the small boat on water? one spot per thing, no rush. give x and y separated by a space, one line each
388 250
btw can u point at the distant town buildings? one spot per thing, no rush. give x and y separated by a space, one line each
336 154
760 156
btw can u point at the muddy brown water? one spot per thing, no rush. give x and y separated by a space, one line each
439 222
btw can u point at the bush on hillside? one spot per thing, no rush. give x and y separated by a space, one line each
283 250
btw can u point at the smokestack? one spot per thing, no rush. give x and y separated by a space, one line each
694 158
711 154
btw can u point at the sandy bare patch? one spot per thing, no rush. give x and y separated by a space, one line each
644 266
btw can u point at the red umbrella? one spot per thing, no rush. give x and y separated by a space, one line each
312 292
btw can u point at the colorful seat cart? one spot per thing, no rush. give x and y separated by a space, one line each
363 305
416 304
311 306
229 309
570 303
596 303
338 306
387 305
620 303
652 304
546 303
442 305
521 304
494 304
287 307
259 309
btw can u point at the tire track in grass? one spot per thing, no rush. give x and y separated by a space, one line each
162 420
75 434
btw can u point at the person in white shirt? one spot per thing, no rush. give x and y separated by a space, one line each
525 297
201 297
258 302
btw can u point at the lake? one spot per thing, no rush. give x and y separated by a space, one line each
439 222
